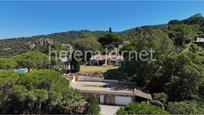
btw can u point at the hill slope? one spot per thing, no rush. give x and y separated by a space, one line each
16 46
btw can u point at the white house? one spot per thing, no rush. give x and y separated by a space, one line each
200 40
110 92
106 60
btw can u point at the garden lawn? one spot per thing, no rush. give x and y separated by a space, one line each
96 68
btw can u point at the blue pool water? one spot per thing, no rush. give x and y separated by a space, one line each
21 70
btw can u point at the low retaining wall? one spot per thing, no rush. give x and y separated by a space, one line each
91 74
96 79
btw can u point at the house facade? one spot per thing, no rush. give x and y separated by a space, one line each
200 40
118 97
106 60
110 92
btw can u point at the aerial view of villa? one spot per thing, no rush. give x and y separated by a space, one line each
102 57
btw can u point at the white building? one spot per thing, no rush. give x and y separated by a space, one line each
200 40
106 60
110 92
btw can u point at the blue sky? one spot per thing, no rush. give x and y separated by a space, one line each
33 18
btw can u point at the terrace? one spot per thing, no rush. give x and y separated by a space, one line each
118 88
111 92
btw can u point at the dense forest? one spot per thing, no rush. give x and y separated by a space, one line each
175 77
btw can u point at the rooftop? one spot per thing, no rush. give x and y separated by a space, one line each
105 57
116 88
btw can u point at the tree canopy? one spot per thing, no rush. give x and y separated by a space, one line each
33 59
7 63
111 39
87 41
36 92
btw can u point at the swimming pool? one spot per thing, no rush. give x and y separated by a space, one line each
21 70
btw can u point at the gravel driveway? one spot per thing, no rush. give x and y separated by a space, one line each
108 109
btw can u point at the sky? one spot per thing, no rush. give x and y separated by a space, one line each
22 19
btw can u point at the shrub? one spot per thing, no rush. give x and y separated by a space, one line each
7 73
184 107
161 97
93 105
140 108
201 105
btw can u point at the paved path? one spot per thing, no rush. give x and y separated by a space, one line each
108 109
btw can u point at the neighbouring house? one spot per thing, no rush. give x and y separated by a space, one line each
200 40
106 60
110 92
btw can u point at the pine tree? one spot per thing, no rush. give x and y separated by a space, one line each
110 29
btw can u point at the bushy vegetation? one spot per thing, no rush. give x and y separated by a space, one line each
177 69
177 65
39 91
93 106
140 108
185 107
7 63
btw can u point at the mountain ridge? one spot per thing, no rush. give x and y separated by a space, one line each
15 46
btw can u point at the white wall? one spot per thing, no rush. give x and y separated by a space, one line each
87 78
101 99
120 100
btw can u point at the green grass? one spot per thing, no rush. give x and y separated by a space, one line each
96 68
